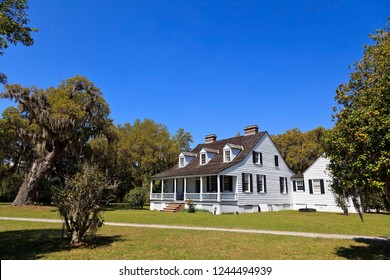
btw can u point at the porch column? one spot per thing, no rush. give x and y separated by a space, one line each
218 188
185 188
151 189
174 188
162 189
201 188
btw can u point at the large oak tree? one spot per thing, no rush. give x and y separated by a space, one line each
61 119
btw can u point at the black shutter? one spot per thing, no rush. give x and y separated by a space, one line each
281 184
276 161
261 158
310 187
303 185
221 184
243 182
294 186
258 182
265 184
208 184
285 184
322 186
251 183
231 183
254 156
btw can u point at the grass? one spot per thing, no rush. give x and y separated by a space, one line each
318 222
23 240
27 240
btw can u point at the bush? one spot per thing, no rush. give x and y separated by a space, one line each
137 198
191 207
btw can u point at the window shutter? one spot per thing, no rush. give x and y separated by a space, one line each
310 187
276 161
258 182
285 184
243 182
265 184
208 184
303 185
281 184
322 186
261 158
221 183
251 183
294 186
254 156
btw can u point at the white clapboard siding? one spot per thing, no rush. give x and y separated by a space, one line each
272 173
321 202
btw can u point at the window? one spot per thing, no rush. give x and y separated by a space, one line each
181 162
261 184
213 183
227 183
316 186
226 155
300 186
247 182
203 158
283 185
276 161
257 158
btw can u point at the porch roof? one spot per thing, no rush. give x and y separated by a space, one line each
216 164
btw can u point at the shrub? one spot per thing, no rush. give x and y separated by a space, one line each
137 198
191 207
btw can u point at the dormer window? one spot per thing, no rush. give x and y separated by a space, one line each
203 158
181 162
185 158
226 156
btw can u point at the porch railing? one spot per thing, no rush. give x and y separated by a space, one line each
195 196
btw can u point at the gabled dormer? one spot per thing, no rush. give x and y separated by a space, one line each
230 151
207 154
185 158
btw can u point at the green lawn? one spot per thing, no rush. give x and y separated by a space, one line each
29 240
373 225
26 240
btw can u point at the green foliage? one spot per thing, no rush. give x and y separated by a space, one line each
82 200
191 206
300 149
54 123
359 144
14 26
137 198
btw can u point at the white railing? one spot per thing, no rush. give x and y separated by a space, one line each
195 196
162 196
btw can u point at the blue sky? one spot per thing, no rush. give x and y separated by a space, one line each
205 66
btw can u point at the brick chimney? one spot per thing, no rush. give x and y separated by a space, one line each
251 129
210 138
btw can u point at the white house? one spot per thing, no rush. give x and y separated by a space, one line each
312 189
242 174
239 174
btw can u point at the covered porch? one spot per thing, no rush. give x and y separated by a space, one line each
208 188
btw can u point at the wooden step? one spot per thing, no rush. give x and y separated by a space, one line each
173 207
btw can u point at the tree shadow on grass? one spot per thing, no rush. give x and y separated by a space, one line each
34 244
371 249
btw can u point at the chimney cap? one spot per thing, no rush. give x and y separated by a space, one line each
210 138
251 129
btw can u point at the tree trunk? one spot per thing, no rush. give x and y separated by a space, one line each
27 190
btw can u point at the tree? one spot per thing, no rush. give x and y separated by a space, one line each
82 200
359 144
146 148
300 149
59 120
137 198
13 26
